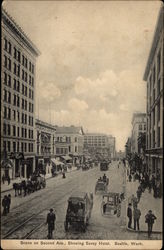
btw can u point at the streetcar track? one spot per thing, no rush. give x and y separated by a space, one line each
34 229
30 218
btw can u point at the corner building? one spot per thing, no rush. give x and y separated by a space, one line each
154 77
17 100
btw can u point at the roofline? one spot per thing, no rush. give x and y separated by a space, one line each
138 115
8 20
43 123
158 29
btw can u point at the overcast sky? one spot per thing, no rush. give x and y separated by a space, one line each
93 57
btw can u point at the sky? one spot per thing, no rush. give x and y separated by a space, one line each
93 57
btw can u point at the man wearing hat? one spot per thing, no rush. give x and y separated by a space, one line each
129 214
149 219
51 223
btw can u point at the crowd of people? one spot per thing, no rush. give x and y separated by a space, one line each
151 183
133 212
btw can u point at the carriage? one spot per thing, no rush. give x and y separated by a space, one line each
79 211
101 187
111 204
104 166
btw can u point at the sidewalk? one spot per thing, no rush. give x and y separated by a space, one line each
147 202
5 187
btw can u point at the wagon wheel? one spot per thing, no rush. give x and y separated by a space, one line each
84 226
66 225
118 212
102 209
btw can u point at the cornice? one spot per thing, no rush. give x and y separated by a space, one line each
159 28
17 30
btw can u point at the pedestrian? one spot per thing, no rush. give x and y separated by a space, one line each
3 179
136 217
51 223
149 219
138 194
130 178
134 201
8 179
8 202
129 215
4 204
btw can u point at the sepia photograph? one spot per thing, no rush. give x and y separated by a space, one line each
82 124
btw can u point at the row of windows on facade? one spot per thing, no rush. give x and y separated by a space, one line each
154 94
16 86
16 101
16 71
142 127
65 150
95 139
155 71
17 55
17 146
154 117
12 130
45 150
15 116
65 139
96 144
152 142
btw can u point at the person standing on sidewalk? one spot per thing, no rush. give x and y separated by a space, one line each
51 223
149 219
3 179
129 215
8 202
8 179
4 204
136 217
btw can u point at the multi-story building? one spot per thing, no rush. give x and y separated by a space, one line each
154 77
97 143
112 146
70 142
138 127
17 100
45 143
128 147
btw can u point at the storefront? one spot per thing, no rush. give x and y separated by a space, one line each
7 167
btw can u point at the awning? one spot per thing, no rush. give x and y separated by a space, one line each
6 163
66 157
56 162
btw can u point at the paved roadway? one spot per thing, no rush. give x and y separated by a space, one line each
31 211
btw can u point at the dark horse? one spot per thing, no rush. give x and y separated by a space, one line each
18 188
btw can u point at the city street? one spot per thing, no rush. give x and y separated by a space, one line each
28 214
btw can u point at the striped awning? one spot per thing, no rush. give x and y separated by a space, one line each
57 162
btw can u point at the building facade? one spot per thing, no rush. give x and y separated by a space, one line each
138 127
154 77
70 142
97 143
45 144
112 146
17 100
128 147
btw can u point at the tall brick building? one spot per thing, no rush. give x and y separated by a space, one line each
17 100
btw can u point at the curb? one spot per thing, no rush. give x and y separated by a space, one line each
141 231
10 189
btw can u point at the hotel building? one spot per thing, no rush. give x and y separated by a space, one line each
17 100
